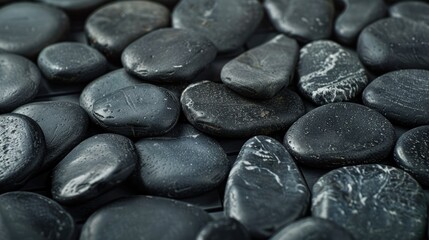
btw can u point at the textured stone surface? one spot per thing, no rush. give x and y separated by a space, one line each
414 10
224 229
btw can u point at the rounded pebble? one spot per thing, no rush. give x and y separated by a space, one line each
413 10
224 229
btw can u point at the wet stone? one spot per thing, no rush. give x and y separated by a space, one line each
330 73
224 229
27 215
113 27
215 109
412 153
265 189
402 96
393 44
94 166
187 53
19 80
414 10
70 62
27 36
305 20
145 217
182 163
228 24
263 71
372 202
22 149
340 134
142 110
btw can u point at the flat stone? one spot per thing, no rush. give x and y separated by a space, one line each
145 217
305 20
340 134
265 189
64 125
27 215
19 79
215 109
330 73
113 27
142 110
393 44
263 71
356 16
21 31
94 166
313 228
374 202
402 96
412 153
187 53
22 149
75 5
224 229
228 24
414 10
71 62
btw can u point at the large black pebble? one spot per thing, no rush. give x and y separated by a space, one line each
414 10
224 229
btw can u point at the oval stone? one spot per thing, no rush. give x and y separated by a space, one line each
402 96
93 167
187 53
215 109
224 229
413 10
374 202
340 134
265 189
145 217
330 73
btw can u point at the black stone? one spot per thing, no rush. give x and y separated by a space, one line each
305 20
71 62
145 217
75 5
187 53
402 96
263 71
330 73
393 44
224 229
374 202
265 189
182 163
228 24
142 110
64 125
113 27
27 215
94 166
340 134
19 80
22 149
311 229
215 109
415 11
26 28
357 15
412 153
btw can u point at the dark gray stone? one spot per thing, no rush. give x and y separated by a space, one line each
75 5
224 229
415 11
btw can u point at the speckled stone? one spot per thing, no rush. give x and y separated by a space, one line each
262 71
340 134
22 148
226 23
224 229
374 202
93 167
265 189
414 10
393 44
145 217
113 27
305 20
27 215
312 228
142 110
402 96
64 125
330 73
19 80
187 53
182 163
